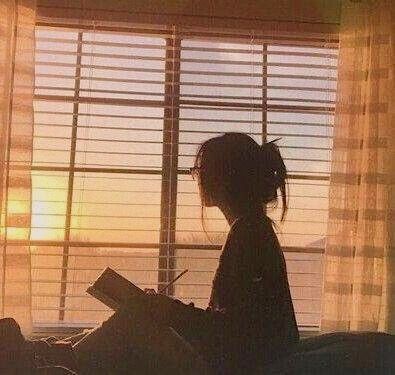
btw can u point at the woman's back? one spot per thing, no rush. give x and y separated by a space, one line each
251 288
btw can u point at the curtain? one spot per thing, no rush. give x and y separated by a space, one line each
17 20
358 292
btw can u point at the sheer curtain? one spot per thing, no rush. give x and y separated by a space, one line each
360 253
16 110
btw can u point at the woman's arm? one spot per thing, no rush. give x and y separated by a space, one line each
251 309
245 287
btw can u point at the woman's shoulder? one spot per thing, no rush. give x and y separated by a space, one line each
252 233
254 240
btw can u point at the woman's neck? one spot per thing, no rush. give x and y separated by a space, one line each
232 213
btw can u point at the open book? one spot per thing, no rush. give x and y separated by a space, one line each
113 289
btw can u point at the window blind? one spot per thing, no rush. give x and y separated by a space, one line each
267 90
119 117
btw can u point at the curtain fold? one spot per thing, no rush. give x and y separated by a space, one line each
359 274
17 21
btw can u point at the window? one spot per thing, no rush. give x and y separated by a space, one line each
118 119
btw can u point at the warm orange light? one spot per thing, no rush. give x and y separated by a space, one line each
46 224
16 207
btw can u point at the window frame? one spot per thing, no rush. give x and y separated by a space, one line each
169 173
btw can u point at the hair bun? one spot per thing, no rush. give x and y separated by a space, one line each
273 162
274 170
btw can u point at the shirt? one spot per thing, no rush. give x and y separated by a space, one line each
250 319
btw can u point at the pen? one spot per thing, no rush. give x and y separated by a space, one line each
173 281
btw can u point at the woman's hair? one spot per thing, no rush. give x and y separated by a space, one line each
246 171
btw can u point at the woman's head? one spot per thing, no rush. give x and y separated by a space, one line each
232 169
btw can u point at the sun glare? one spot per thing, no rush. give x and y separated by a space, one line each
46 226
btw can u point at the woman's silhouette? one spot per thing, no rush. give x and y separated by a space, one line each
250 320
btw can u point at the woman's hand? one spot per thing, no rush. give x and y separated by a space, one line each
160 307
159 304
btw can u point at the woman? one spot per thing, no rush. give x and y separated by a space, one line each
250 320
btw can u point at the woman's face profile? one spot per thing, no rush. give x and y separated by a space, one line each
206 195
